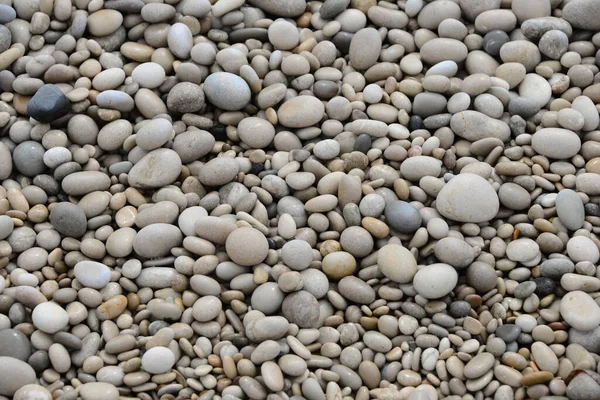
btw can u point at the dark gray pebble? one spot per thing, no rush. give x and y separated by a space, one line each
48 104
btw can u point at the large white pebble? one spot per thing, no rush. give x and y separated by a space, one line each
580 311
435 280
556 143
92 274
581 248
468 198
49 317
148 75
158 360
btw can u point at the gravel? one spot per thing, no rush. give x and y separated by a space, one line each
338 199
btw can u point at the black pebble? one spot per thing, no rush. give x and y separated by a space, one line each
544 286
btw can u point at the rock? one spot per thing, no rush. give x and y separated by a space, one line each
267 298
356 290
82 183
331 8
247 246
581 248
397 263
28 158
15 375
158 360
468 198
473 126
32 392
48 104
508 332
402 216
537 89
292 8
300 112
435 280
301 308
535 28
365 48
157 240
227 91
185 97
584 386
92 274
49 317
443 49
156 169
256 132
98 391
570 209
14 343
580 311
6 162
455 252
338 265
481 276
68 219
583 14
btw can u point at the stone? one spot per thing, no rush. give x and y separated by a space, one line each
49 317
365 48
28 158
580 311
68 219
300 112
48 104
185 97
98 391
156 169
158 360
402 216
570 209
227 91
15 375
468 198
92 274
301 308
397 263
292 8
247 246
356 290
582 14
14 343
157 240
435 280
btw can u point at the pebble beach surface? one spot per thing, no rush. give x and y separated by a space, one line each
291 199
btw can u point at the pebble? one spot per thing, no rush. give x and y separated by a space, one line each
92 274
227 91
402 216
49 317
300 112
556 143
580 311
570 209
158 360
247 246
156 169
435 280
16 375
468 198
48 104
396 263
